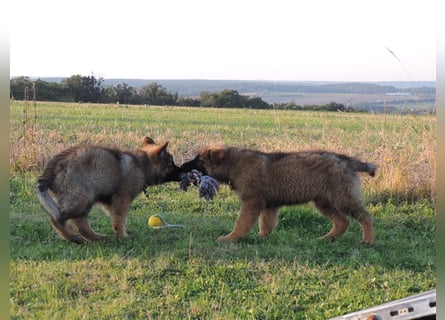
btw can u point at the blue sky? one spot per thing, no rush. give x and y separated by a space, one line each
250 40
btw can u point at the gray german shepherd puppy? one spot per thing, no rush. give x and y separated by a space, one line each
266 181
79 177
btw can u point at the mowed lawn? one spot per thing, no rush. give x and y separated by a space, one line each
185 273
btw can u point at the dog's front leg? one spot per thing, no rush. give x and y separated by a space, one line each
118 211
248 216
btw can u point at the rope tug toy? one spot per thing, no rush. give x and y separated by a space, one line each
207 185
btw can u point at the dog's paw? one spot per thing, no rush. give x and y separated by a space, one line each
367 242
327 238
223 239
76 239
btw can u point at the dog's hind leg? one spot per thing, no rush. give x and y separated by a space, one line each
57 218
340 221
65 232
268 221
247 218
340 224
85 229
364 218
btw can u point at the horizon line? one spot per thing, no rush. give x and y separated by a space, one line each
215 79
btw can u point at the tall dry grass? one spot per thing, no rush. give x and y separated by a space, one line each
402 146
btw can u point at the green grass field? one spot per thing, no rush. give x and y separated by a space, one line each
184 273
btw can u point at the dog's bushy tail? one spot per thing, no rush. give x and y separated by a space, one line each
48 202
361 166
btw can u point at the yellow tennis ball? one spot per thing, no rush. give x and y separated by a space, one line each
155 221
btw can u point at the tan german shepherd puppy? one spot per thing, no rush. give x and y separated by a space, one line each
266 181
79 177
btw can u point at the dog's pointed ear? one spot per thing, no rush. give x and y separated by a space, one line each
158 150
213 154
163 148
147 141
153 148
216 156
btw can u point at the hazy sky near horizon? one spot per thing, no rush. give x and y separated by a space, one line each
250 40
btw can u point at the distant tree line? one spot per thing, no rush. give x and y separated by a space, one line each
331 106
90 89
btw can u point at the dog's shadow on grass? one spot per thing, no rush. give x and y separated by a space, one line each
296 239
